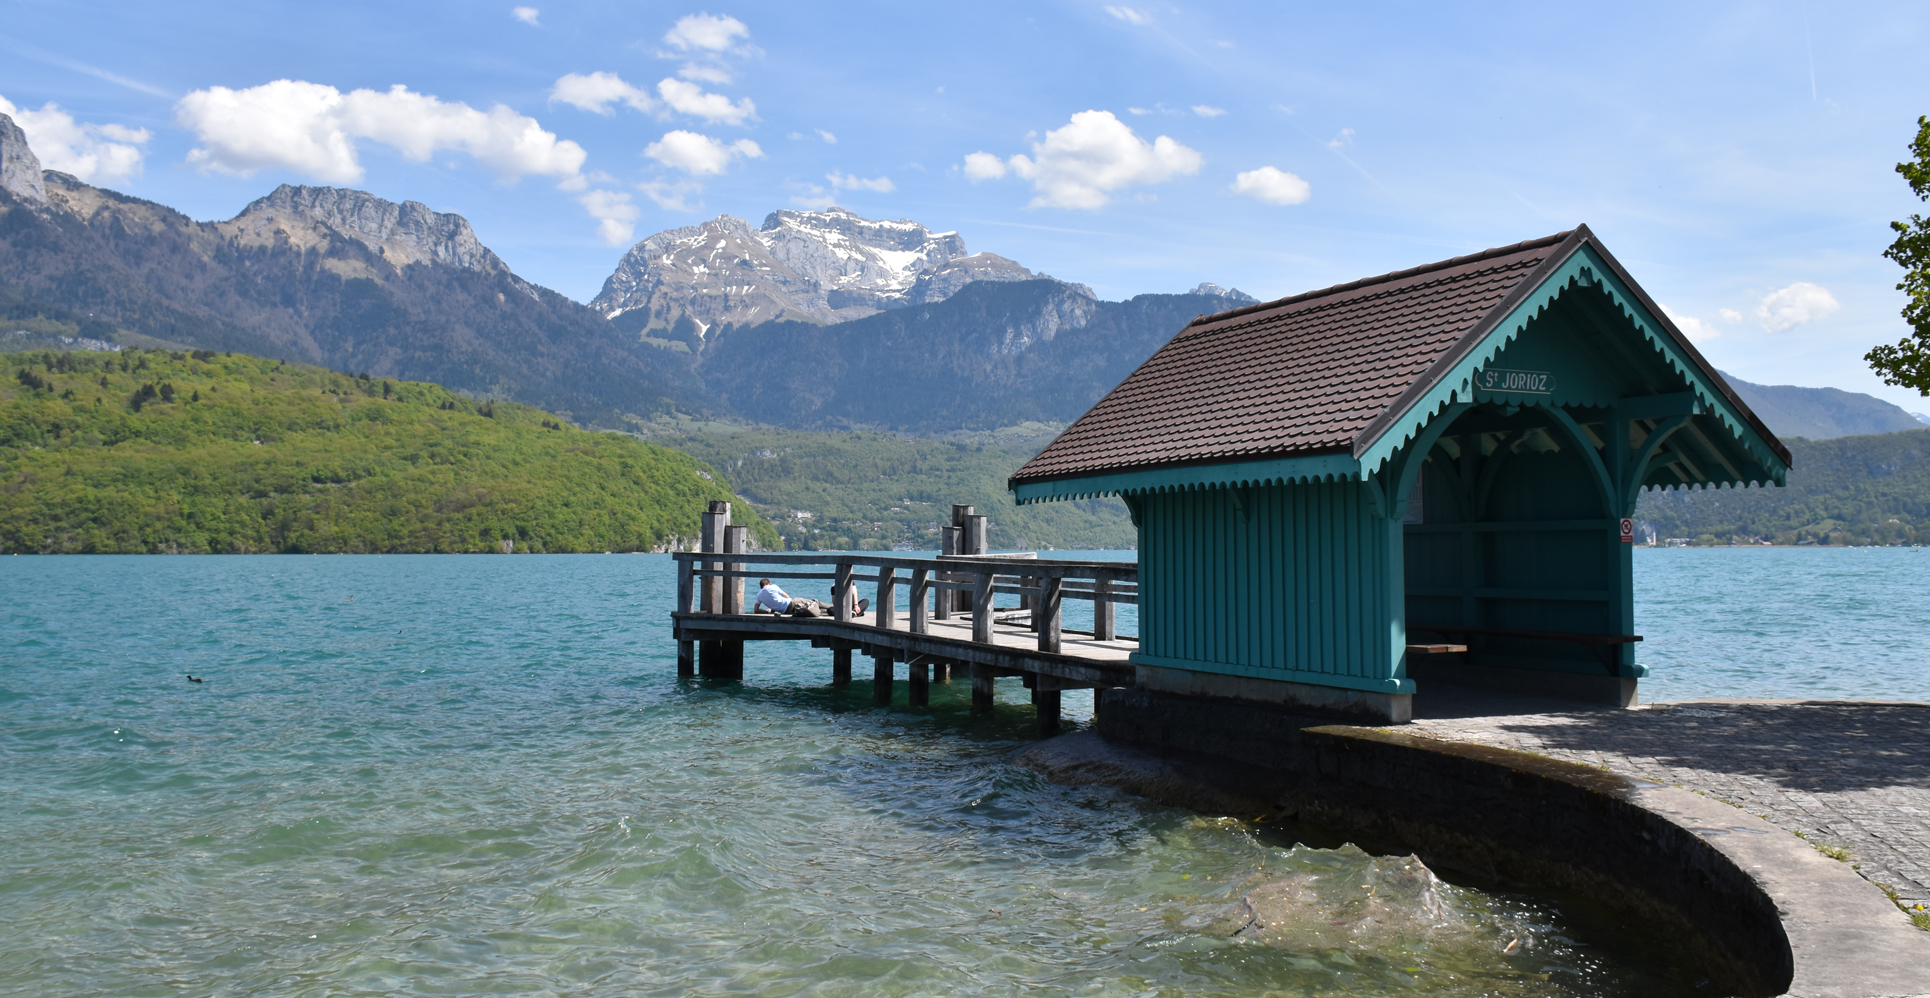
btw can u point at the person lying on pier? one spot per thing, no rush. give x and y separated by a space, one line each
783 603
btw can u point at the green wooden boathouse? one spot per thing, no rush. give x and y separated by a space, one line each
1337 492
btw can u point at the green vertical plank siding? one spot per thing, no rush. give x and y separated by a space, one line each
1295 590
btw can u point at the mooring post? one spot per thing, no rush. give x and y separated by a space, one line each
947 600
1045 613
842 602
712 541
920 600
840 666
920 669
686 598
983 679
982 606
881 676
1102 608
887 598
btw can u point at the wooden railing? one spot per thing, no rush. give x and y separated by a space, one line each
950 585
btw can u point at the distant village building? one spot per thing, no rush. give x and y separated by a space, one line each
1332 488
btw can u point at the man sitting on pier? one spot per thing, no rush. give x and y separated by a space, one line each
782 603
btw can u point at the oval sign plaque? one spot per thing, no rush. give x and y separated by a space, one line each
1505 381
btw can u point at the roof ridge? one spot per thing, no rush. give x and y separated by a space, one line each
1383 278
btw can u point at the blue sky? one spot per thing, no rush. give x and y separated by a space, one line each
1738 158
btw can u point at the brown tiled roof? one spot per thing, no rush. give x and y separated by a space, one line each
1299 376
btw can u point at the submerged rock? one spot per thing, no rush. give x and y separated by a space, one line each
1368 902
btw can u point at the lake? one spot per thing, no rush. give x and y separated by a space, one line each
479 775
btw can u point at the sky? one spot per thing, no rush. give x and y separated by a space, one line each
1737 158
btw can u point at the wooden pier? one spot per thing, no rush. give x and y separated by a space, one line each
953 623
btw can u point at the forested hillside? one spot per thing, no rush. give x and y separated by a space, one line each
1849 490
873 490
145 451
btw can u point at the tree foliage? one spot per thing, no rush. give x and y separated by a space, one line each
870 491
1907 363
204 452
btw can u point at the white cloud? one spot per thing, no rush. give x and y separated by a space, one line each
829 138
527 15
1080 164
699 155
706 32
707 74
1272 186
1342 140
983 166
1729 314
1129 15
1208 111
1795 305
616 216
311 128
598 91
691 99
97 154
673 196
1697 330
1140 110
847 182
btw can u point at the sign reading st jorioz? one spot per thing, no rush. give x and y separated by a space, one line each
1507 382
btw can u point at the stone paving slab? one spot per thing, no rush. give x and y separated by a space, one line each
1853 775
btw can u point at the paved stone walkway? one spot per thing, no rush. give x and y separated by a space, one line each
1854 775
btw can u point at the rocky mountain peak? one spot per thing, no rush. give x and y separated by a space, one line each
19 167
1234 294
822 266
402 234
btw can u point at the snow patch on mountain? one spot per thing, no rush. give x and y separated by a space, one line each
817 266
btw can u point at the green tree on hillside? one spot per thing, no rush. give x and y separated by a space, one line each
1907 363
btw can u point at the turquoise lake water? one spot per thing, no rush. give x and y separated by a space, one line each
476 775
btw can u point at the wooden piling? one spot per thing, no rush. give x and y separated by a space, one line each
840 667
686 603
983 679
881 677
920 674
1046 702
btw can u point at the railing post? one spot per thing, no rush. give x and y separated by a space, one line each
1102 608
737 540
1028 601
1045 613
841 600
920 598
887 607
982 606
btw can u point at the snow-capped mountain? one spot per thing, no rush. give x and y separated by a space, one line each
817 266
